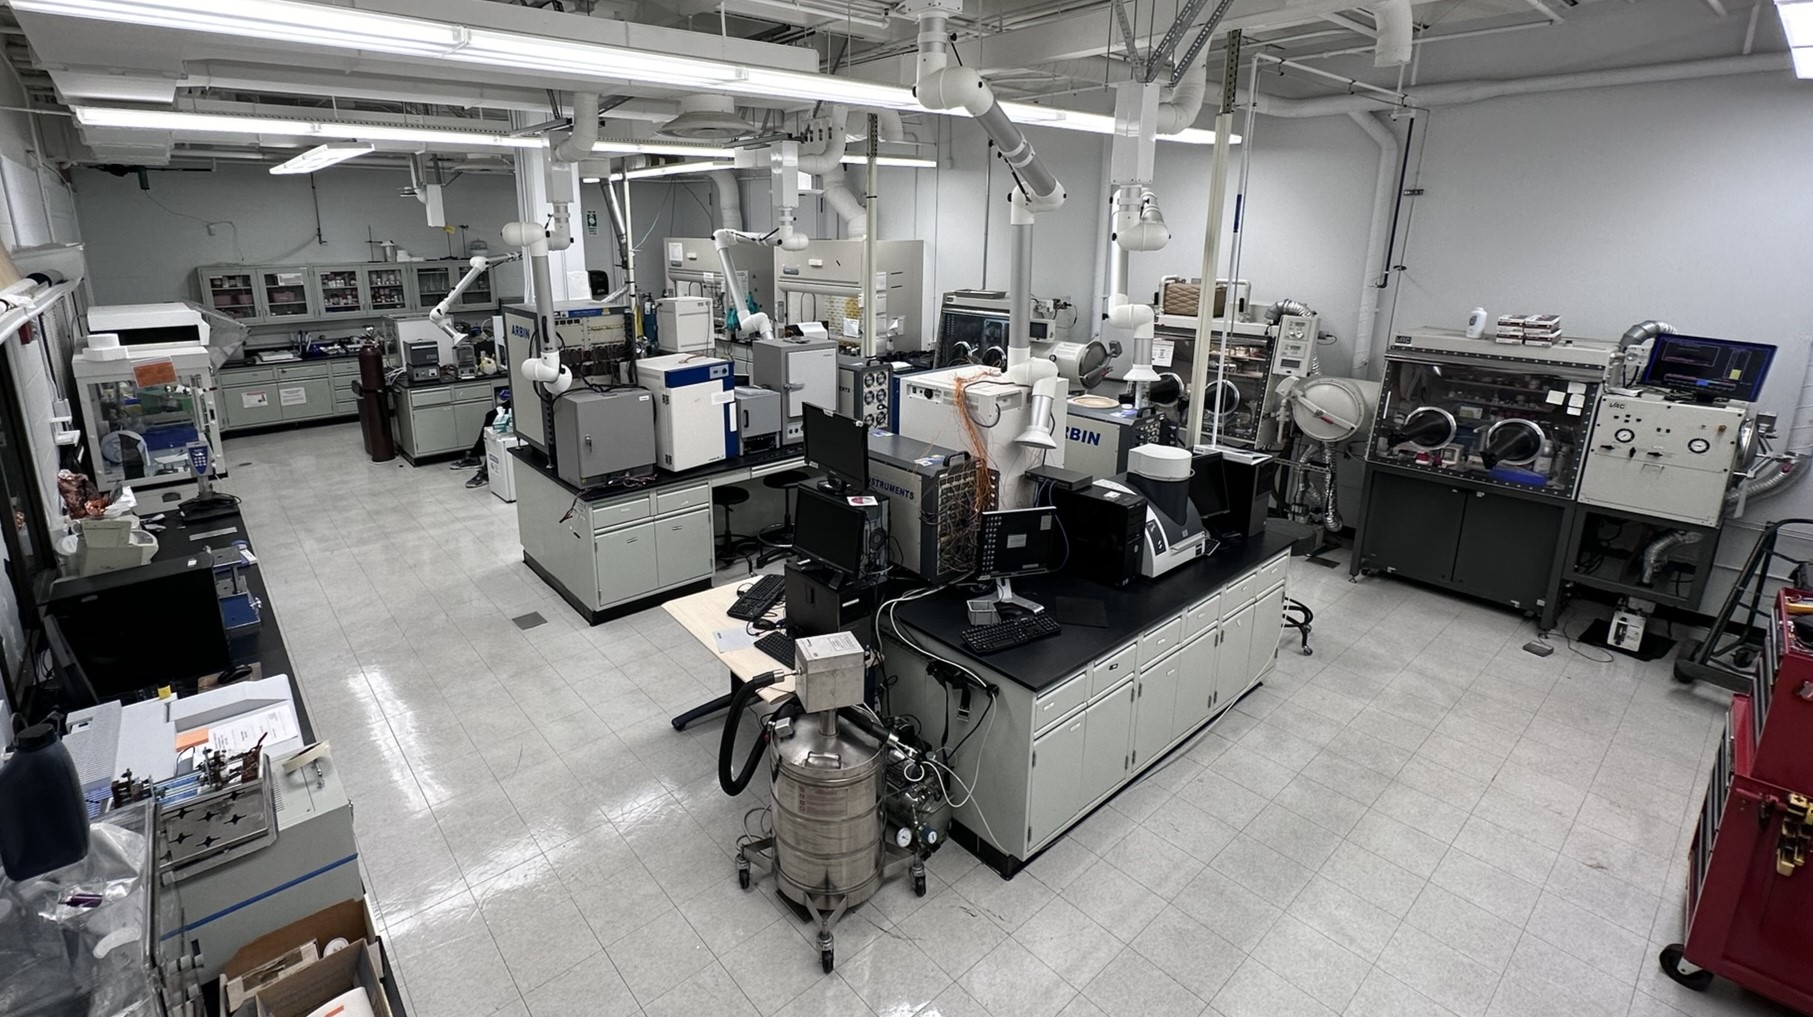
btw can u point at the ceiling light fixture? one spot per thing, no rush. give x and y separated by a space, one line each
346 28
1797 24
890 160
209 123
322 156
669 170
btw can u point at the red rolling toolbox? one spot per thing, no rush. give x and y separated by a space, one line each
1749 887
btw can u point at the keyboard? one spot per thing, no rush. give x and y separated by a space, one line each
759 599
987 639
778 645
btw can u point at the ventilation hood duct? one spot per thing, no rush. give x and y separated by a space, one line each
707 118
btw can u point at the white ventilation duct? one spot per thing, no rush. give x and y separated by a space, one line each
707 117
730 199
578 143
1384 199
1179 111
847 205
826 153
1395 25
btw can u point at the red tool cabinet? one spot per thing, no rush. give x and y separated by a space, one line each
1749 887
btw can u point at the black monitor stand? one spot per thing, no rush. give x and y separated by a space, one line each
1004 594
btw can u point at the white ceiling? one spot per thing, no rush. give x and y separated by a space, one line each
1060 49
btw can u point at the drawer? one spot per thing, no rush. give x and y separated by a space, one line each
674 501
248 376
1200 617
301 371
347 368
430 397
1272 572
606 514
1239 594
1057 703
1160 641
474 393
1108 672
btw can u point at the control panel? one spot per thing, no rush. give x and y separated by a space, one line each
1664 458
1293 355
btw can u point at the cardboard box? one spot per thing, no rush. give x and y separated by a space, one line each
304 991
236 991
348 920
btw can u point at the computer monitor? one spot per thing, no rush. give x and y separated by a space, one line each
135 630
1208 485
829 532
838 445
1709 368
1016 542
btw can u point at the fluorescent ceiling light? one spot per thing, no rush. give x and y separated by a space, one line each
279 20
321 24
1797 21
209 123
672 169
662 148
1803 62
321 157
890 160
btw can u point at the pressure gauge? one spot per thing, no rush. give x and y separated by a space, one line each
1698 445
1625 435
903 837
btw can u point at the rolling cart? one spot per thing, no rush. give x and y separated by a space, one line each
1749 889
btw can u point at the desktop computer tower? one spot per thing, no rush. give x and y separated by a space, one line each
932 505
821 600
1105 528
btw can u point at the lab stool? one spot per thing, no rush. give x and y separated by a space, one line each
730 544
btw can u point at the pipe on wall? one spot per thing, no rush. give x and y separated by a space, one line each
1384 200
1460 92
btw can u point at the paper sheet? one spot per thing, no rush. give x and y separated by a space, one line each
273 723
727 640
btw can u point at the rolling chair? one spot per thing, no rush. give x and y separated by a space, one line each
730 543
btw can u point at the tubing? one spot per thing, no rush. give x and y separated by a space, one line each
1280 308
1658 549
732 782
1384 200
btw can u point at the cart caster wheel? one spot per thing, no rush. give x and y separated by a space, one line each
743 879
1672 960
825 960
918 886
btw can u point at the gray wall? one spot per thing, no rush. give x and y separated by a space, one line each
144 246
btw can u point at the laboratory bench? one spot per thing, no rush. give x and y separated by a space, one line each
611 550
265 395
437 418
1078 716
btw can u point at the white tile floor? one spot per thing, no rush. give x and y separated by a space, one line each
1420 819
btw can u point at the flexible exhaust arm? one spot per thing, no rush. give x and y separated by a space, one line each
480 265
747 321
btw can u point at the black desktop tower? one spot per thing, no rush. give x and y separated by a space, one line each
822 600
1249 494
1105 530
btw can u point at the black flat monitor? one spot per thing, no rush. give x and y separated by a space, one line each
1208 485
1709 368
1017 542
839 445
136 630
828 531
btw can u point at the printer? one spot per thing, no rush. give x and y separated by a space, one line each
1174 534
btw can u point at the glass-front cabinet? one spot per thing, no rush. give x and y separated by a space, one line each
479 294
230 291
1516 416
386 288
433 281
342 291
286 293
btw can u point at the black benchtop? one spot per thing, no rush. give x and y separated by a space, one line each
1043 663
661 479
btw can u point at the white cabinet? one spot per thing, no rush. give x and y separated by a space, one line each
1268 627
683 547
626 562
1196 688
1055 779
1106 752
1155 708
1231 674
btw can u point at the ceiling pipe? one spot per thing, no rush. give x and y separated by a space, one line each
849 208
579 141
1461 92
1179 110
